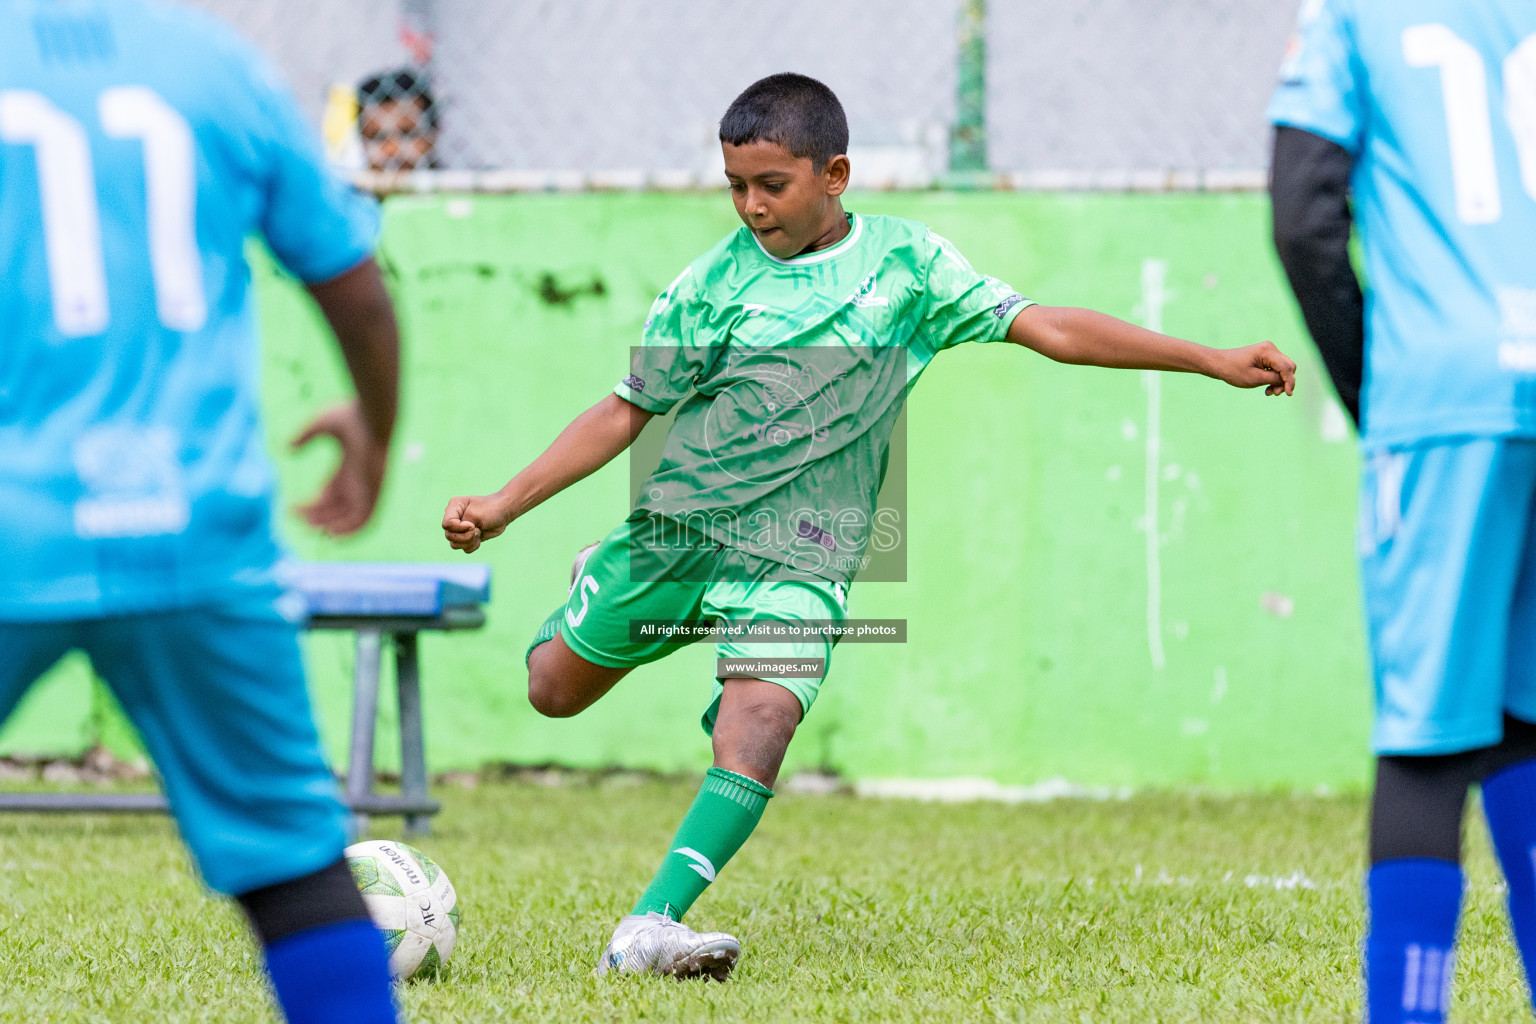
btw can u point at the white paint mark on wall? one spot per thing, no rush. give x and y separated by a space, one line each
1335 423
1154 276
1175 529
1219 688
1278 605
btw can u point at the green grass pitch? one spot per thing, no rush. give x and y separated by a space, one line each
1163 907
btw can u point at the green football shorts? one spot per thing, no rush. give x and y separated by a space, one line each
652 568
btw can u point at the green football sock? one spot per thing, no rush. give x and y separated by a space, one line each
723 815
546 632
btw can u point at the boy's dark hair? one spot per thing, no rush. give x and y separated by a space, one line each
403 85
794 111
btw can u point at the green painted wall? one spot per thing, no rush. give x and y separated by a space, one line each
1027 595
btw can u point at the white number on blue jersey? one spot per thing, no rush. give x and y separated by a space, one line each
1468 119
71 220
1520 107
170 176
71 228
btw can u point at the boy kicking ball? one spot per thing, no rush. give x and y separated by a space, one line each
791 346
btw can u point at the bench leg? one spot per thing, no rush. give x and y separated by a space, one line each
365 715
413 758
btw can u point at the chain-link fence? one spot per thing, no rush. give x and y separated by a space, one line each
508 94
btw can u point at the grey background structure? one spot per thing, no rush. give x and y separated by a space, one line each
1101 85
622 92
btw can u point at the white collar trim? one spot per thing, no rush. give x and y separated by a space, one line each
821 256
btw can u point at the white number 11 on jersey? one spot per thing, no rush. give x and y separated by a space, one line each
1468 121
71 219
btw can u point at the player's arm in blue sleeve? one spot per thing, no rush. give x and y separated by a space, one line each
325 233
1319 115
1309 191
362 317
1319 89
317 225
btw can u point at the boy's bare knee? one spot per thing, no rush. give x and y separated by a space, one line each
551 702
771 717
756 722
561 684
760 707
547 693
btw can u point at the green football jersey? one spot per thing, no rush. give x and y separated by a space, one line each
791 374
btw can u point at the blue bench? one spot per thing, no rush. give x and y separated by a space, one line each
372 600
399 600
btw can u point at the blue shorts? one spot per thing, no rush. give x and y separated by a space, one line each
217 694
1447 538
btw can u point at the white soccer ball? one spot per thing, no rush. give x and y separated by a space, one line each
411 901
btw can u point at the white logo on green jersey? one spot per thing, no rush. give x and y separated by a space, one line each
866 296
754 308
702 865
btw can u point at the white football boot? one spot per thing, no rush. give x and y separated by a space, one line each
655 944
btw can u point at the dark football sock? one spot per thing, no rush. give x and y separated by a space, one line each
326 959
1509 804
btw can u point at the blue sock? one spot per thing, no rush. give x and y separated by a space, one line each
332 974
1412 905
1509 804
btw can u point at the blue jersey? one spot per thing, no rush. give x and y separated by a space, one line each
1436 102
141 144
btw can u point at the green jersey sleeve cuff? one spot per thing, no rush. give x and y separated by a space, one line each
1006 311
653 405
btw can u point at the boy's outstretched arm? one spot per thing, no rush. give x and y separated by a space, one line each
1086 338
592 440
362 317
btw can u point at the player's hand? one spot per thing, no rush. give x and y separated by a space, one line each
469 521
348 498
1255 366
